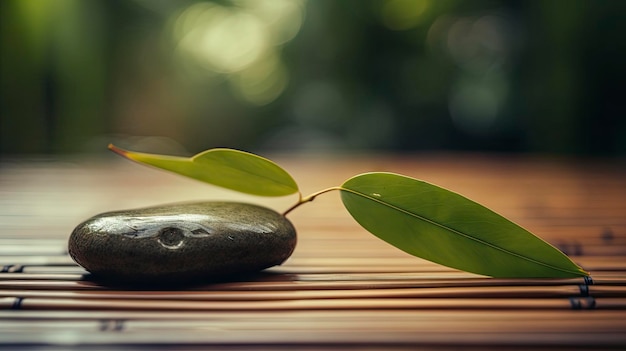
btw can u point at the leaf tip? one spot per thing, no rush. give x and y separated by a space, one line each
118 151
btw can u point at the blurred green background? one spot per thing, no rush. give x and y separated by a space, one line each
542 76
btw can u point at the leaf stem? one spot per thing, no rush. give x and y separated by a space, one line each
303 200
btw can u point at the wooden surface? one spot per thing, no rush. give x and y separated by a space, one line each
342 288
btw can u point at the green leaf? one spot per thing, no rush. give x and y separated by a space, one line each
446 228
232 169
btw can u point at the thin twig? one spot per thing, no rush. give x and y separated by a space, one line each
309 198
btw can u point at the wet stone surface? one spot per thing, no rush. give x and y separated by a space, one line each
182 243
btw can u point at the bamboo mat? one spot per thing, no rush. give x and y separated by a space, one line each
342 288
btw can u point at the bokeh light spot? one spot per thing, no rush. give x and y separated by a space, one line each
226 40
241 42
474 108
404 14
282 18
262 82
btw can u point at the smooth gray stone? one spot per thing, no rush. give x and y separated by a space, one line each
182 242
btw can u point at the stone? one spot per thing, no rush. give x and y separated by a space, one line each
182 243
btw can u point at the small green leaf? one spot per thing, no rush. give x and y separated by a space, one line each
446 228
232 169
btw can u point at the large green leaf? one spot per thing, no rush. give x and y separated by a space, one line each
232 169
446 228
